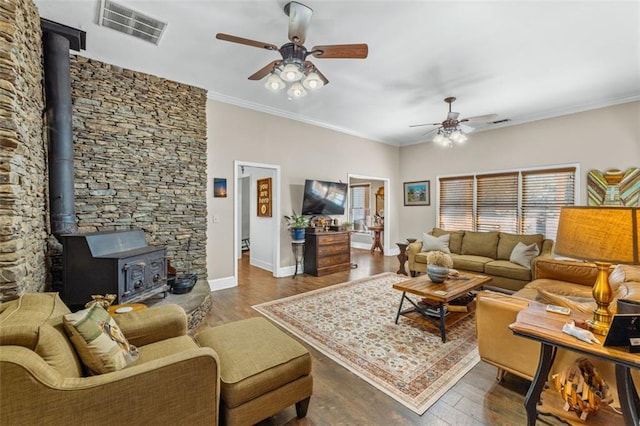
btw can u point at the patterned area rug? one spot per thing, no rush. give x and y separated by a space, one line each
353 323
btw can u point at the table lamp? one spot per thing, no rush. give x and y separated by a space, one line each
604 235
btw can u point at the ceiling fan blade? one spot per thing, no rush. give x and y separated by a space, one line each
310 65
480 118
299 21
262 72
466 129
426 124
431 132
355 51
246 41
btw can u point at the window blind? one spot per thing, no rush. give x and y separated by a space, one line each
360 206
521 201
456 203
497 202
544 192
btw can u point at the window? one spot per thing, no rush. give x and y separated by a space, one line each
521 201
359 210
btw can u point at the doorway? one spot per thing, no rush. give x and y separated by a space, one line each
378 197
262 232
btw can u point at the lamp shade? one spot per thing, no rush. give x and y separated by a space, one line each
313 81
600 234
291 72
274 83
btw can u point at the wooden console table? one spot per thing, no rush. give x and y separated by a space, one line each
545 327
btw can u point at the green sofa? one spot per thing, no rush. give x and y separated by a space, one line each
487 253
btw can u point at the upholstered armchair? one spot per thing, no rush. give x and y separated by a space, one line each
174 381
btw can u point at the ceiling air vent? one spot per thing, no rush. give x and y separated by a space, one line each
129 21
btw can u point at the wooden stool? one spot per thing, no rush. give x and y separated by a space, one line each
262 370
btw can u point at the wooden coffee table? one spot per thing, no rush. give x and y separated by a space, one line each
439 294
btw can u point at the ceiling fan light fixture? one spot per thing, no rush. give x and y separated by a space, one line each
439 139
458 137
291 72
296 91
274 83
313 81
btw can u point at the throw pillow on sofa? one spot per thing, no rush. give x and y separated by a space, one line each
431 243
480 244
522 254
624 273
455 239
99 341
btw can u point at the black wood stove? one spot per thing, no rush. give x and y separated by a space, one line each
117 262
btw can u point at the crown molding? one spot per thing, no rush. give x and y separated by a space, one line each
214 96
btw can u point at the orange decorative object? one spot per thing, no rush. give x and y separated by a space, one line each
124 308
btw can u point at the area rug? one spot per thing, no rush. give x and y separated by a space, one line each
353 324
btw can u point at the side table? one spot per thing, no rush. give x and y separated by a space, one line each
402 257
545 327
297 246
377 237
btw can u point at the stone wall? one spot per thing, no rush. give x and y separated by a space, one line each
23 174
140 158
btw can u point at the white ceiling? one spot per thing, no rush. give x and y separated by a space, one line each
522 60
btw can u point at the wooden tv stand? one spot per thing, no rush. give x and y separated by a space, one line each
327 252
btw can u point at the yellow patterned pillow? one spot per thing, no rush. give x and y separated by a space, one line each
98 340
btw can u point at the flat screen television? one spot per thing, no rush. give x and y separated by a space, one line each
324 198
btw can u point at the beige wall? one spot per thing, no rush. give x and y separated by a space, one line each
599 139
302 151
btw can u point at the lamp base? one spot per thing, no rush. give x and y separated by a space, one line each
598 327
602 294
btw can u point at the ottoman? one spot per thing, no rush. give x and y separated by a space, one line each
262 370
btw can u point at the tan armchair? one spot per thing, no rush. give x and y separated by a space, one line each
173 381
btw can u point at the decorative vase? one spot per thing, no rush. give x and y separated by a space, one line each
297 234
437 274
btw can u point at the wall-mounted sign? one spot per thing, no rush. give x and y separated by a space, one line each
264 197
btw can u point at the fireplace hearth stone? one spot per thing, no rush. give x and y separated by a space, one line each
197 303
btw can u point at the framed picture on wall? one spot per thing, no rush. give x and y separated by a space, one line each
219 187
417 193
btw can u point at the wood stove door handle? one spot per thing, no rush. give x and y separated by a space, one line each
140 264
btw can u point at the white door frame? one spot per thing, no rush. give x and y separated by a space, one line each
387 210
237 164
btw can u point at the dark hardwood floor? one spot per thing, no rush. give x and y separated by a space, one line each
340 397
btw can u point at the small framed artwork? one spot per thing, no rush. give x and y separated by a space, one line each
264 197
417 193
219 187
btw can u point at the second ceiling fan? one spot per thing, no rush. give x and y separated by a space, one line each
294 66
451 129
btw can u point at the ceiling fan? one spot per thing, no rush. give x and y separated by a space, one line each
294 66
451 129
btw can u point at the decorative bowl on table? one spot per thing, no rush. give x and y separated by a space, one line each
437 274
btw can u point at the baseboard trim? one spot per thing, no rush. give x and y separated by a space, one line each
222 283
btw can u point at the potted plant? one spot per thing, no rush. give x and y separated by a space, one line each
297 224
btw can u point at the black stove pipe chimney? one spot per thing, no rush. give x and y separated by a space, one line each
57 82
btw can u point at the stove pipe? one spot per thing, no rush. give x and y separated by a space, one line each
57 79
